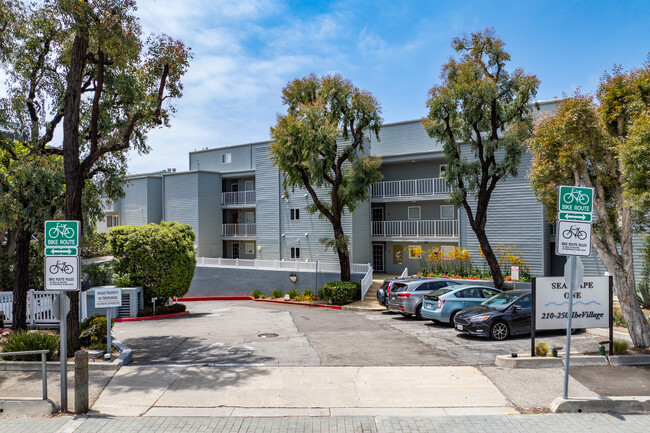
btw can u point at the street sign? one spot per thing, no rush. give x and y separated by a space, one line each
575 199
571 216
62 273
514 273
109 297
573 238
61 251
61 233
590 303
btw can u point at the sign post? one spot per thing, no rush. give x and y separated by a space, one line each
110 297
62 274
514 275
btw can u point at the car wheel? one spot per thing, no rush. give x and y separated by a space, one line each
499 331
418 311
451 318
406 314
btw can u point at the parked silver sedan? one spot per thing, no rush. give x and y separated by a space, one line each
406 296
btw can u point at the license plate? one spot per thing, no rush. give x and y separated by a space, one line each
459 327
393 298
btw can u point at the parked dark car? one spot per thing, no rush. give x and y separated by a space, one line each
384 291
406 296
498 317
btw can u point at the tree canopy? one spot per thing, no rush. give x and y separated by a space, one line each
319 145
482 114
590 144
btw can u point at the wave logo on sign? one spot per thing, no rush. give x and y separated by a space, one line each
575 303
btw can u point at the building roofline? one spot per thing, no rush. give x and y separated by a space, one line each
212 149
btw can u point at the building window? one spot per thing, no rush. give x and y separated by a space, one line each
414 212
225 158
295 252
249 185
447 212
415 251
446 249
249 217
250 248
295 214
443 169
112 221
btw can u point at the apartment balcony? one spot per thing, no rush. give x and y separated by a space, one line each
239 198
420 188
445 229
239 230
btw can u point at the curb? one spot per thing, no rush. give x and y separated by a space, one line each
604 332
15 407
250 298
126 354
163 316
506 361
334 307
631 404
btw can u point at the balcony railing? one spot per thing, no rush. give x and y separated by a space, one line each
238 230
416 228
410 188
239 197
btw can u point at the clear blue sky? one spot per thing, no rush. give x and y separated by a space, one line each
245 51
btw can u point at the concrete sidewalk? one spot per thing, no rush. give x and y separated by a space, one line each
379 424
296 391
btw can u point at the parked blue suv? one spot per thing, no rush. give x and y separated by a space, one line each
443 304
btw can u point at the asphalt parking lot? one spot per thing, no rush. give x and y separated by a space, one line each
254 333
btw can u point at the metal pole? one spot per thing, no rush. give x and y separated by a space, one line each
63 351
44 374
533 312
611 316
573 265
108 333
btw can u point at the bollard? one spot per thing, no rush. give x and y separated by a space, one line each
81 381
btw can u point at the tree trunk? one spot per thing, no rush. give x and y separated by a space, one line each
490 258
73 179
342 251
21 279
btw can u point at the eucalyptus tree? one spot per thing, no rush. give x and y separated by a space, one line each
482 114
603 146
319 145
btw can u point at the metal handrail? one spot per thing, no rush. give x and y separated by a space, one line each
43 353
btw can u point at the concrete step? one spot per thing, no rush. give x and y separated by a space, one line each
372 291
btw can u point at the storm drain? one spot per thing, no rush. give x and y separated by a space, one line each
268 335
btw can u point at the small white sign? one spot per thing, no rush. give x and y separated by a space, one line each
573 238
590 303
514 273
108 297
62 273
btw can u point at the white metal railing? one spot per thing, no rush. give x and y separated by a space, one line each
366 282
417 228
39 307
7 305
239 197
304 266
248 229
410 188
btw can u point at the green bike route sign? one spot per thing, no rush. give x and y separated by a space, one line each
62 234
574 201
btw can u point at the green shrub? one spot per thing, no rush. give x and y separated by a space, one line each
21 341
277 293
94 244
256 294
100 273
159 257
340 292
93 331
620 347
161 310
541 349
308 293
644 293
293 294
619 320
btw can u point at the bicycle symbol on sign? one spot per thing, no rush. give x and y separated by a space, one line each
574 231
61 266
576 195
61 230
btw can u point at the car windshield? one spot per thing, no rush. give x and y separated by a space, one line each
399 287
439 292
504 298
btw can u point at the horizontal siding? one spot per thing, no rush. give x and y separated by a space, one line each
360 234
154 200
241 158
133 206
402 139
412 170
209 209
182 200
268 192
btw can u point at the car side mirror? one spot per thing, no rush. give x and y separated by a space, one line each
516 308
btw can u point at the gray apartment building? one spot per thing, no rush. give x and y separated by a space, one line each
233 198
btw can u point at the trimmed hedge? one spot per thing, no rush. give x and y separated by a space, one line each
21 341
159 257
93 331
340 292
161 310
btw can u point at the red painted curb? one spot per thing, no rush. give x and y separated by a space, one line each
164 316
334 307
214 298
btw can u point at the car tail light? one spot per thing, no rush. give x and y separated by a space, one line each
388 289
441 302
403 295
